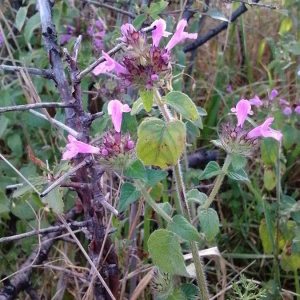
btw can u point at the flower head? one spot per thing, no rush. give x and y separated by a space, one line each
273 94
298 73
287 110
180 35
297 110
74 147
97 32
159 31
256 101
115 108
242 109
283 102
265 130
229 89
108 65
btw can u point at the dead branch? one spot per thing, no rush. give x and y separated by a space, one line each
34 106
40 72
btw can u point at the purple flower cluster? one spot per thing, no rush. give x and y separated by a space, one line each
145 65
236 139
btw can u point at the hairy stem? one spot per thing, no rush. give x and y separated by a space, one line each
184 210
218 183
152 203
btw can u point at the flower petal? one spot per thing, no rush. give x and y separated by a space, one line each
159 31
256 101
265 131
115 108
180 35
273 94
243 108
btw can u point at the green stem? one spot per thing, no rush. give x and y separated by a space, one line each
278 192
152 203
218 183
184 209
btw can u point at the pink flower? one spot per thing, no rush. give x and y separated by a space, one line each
256 101
273 94
115 108
297 110
229 89
74 147
242 109
283 102
298 73
159 31
265 131
109 65
287 110
180 35
65 38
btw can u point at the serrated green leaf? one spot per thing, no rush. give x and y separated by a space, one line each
183 104
33 23
183 228
209 221
192 131
269 151
20 17
157 8
136 170
196 196
238 162
147 97
159 143
137 106
139 20
155 176
269 180
289 136
166 207
239 175
164 248
212 169
55 201
190 291
177 294
128 195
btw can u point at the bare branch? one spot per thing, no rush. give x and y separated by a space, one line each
65 176
40 72
50 40
20 281
34 106
215 31
57 123
57 228
97 115
118 10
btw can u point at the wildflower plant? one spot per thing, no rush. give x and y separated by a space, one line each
144 62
